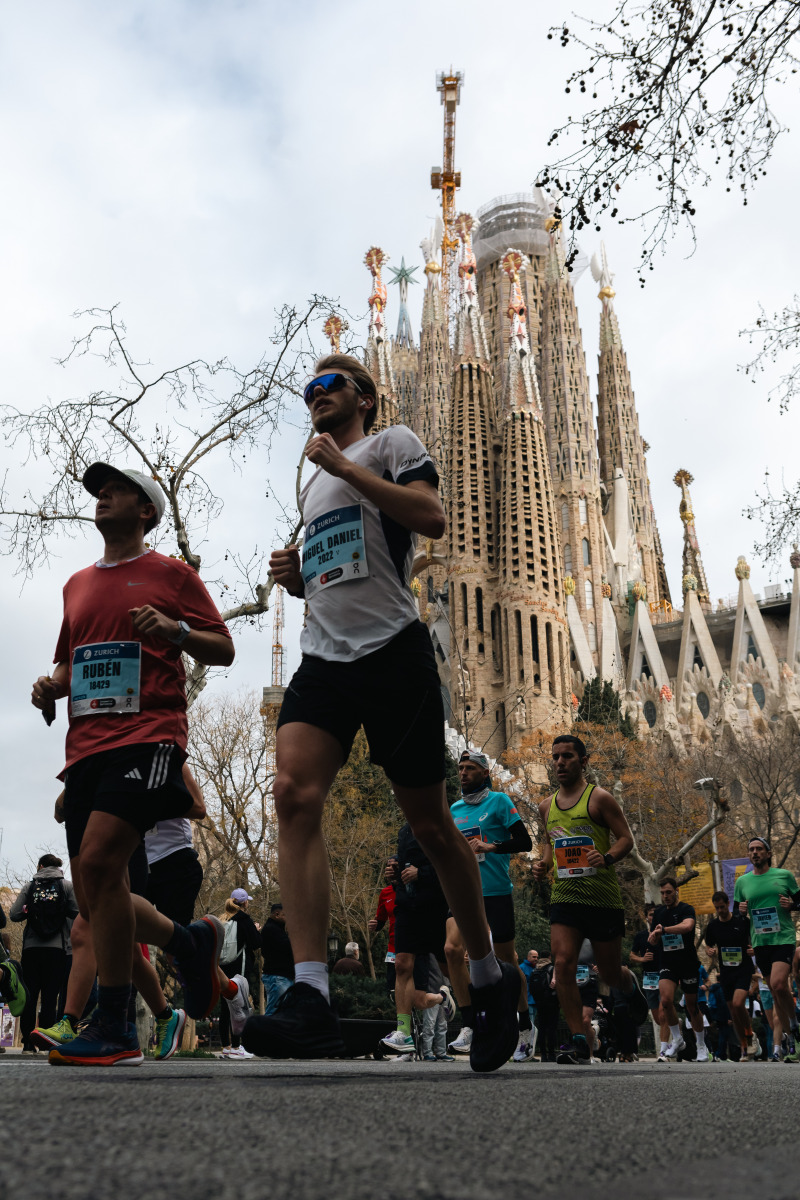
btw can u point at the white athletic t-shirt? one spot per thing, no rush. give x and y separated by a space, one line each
166 837
355 560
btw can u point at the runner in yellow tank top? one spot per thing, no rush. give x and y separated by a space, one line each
586 900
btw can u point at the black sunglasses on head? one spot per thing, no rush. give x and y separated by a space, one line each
328 383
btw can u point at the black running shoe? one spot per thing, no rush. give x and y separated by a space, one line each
495 1029
303 1026
197 970
636 1002
577 1054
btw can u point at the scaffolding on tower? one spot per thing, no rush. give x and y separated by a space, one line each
446 179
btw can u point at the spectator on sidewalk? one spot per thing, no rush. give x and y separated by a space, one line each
350 964
242 939
384 913
277 958
47 905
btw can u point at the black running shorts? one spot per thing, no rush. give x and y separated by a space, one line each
598 924
141 784
500 915
767 955
685 974
174 884
734 981
421 929
394 693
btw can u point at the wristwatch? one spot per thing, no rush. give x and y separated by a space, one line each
181 635
608 859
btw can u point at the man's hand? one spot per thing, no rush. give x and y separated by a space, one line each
743 907
540 869
59 809
594 858
647 956
323 452
480 847
409 874
787 902
285 567
655 935
46 691
372 925
150 621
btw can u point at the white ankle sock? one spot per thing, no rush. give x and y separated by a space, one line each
315 974
675 1030
483 971
664 1046
701 1038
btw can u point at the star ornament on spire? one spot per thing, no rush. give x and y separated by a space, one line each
402 274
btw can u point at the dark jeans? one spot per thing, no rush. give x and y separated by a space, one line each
43 971
547 1024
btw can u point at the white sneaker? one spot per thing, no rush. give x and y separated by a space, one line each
702 1053
524 1050
463 1043
448 1003
400 1042
240 1007
753 1045
663 1056
673 1048
236 1052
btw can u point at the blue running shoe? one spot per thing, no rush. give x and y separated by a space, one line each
168 1034
198 970
99 1045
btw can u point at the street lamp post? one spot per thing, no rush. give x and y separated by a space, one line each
710 787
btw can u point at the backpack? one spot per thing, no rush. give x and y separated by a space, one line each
539 984
46 908
230 944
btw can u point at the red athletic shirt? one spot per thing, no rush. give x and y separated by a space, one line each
385 912
97 601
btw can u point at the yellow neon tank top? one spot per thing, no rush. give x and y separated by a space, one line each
572 833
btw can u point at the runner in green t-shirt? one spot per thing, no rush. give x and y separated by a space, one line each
768 895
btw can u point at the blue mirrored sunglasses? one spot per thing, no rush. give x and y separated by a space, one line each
329 383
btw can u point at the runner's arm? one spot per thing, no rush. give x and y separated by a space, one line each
544 865
203 645
49 688
684 926
518 842
198 810
607 808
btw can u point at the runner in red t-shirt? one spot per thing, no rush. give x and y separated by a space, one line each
383 913
127 621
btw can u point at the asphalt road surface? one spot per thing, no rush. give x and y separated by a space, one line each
190 1129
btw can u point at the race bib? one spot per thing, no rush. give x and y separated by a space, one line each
672 941
731 956
570 854
582 974
389 956
765 920
105 678
333 549
475 832
650 981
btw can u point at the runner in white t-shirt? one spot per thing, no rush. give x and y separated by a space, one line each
367 660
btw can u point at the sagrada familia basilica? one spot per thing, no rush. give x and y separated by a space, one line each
551 571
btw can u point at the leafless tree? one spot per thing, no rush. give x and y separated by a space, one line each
175 424
684 92
763 774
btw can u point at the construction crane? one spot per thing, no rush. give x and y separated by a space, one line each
446 179
277 639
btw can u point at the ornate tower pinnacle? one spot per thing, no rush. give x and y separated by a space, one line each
521 386
379 355
333 331
403 276
621 448
471 344
694 574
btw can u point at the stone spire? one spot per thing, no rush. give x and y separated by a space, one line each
475 662
379 354
530 639
571 438
405 356
694 573
433 398
333 331
620 443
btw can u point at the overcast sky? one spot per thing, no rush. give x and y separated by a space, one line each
202 162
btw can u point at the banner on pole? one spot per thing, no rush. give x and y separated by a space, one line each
732 868
698 891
